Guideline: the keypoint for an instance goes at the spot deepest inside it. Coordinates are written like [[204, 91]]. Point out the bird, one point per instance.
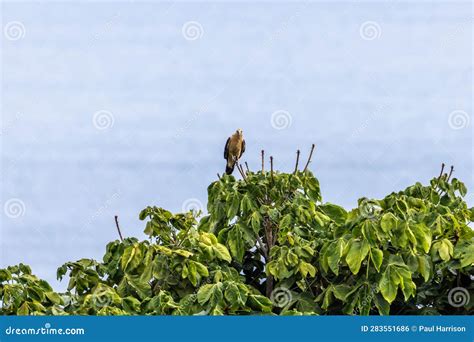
[[234, 148]]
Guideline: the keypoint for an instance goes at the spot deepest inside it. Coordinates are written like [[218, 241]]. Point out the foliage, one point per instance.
[[269, 245]]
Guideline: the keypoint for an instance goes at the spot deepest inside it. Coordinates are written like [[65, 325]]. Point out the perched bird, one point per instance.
[[234, 148]]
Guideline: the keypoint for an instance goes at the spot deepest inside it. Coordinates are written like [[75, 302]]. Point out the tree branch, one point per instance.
[[297, 161], [262, 248], [263, 161], [309, 158], [450, 173], [271, 167], [441, 173], [439, 191], [247, 167], [118, 227], [241, 170]]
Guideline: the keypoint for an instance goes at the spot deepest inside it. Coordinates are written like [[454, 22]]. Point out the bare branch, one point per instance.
[[118, 227], [263, 161], [218, 176], [439, 191], [247, 167], [297, 161], [241, 170], [309, 158], [271, 166], [450, 173], [441, 173], [269, 286]]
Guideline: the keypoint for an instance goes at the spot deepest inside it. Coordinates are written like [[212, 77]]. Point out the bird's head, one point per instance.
[[239, 132]]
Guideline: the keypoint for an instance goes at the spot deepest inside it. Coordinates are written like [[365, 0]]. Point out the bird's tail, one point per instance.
[[230, 167]]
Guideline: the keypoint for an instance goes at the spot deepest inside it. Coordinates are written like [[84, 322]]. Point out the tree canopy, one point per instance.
[[268, 244]]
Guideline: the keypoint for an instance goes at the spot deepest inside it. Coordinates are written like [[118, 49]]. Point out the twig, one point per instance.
[[450, 174], [238, 168], [247, 167], [271, 167], [309, 158], [118, 227], [441, 173], [297, 161], [269, 286], [263, 161], [241, 170], [439, 191], [218, 176]]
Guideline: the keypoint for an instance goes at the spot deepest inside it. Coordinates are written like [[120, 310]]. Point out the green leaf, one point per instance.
[[131, 305], [357, 252], [236, 295], [147, 272], [185, 272], [246, 204], [143, 289], [210, 293], [23, 310], [222, 252], [255, 221], [437, 226], [327, 297], [412, 263], [131, 258], [5, 275], [387, 286], [25, 268], [285, 222], [423, 236], [36, 293], [382, 305], [464, 251], [201, 269], [407, 285], [291, 258], [236, 243], [323, 260], [424, 266], [193, 275], [61, 271], [376, 257], [54, 297], [260, 303], [342, 291], [148, 229], [305, 268], [234, 206], [183, 253], [334, 254], [388, 222], [444, 248], [396, 274], [336, 213]]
